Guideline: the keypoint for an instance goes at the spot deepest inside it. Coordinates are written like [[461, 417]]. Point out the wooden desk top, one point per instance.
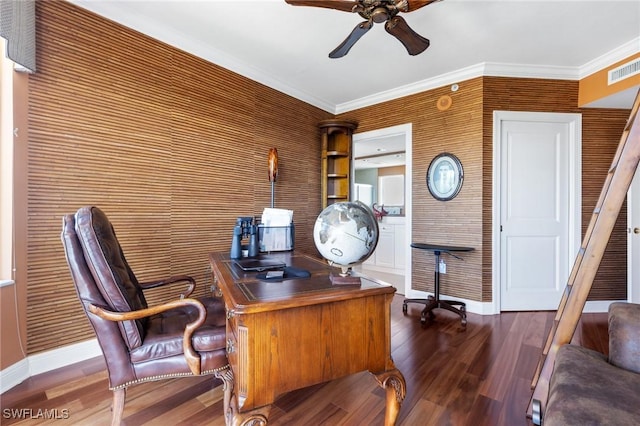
[[248, 294]]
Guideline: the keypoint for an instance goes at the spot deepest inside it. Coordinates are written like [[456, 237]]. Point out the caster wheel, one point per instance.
[[423, 321], [463, 322], [404, 308]]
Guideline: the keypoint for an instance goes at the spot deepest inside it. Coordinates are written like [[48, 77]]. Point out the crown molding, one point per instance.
[[619, 54], [495, 69], [483, 69], [211, 54]]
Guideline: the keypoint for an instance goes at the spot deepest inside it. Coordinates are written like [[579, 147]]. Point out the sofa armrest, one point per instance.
[[585, 389], [624, 335]]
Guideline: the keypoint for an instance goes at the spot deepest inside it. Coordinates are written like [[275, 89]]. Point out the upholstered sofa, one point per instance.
[[589, 388]]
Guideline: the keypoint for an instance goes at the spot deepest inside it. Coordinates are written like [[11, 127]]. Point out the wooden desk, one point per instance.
[[289, 334]]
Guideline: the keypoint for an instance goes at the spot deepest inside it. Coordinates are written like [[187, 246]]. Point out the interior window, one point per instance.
[[6, 167]]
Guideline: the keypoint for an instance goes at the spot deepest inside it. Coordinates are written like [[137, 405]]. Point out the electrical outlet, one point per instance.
[[442, 267]]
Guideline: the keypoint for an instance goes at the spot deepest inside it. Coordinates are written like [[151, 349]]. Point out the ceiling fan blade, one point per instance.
[[412, 41], [344, 5], [411, 5], [348, 43]]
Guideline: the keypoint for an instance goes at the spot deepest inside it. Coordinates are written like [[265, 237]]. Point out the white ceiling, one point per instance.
[[286, 47], [379, 152]]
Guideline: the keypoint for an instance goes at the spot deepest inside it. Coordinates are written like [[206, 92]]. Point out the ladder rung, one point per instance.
[[632, 118]]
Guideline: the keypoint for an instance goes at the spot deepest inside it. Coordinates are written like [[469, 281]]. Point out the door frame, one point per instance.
[[406, 130], [633, 199], [574, 121]]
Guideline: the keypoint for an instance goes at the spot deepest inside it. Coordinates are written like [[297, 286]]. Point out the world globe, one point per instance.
[[346, 234]]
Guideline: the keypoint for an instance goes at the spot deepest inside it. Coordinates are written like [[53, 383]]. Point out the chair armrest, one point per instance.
[[175, 279], [192, 357]]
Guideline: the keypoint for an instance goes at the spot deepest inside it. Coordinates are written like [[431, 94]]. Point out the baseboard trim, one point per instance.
[[46, 361], [598, 306], [14, 375], [473, 306], [487, 308]]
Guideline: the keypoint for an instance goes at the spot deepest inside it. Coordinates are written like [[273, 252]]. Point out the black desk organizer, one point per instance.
[[433, 302]]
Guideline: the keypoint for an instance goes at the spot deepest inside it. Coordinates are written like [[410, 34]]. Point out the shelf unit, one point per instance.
[[336, 160]]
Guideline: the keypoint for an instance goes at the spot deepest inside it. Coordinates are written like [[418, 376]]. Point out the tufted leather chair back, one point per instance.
[[110, 337], [111, 272]]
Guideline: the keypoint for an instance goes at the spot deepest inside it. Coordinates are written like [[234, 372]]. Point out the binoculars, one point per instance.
[[244, 227]]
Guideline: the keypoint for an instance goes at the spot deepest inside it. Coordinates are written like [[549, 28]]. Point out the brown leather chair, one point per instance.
[[184, 337]]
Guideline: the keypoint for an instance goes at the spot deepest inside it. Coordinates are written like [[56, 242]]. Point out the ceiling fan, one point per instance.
[[375, 11]]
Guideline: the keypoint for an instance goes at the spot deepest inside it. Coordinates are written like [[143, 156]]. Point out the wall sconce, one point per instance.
[[273, 170]]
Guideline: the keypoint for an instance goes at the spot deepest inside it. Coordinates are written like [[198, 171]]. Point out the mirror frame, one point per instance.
[[439, 189]]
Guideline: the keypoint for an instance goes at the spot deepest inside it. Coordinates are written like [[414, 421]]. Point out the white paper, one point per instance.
[[276, 232], [276, 217]]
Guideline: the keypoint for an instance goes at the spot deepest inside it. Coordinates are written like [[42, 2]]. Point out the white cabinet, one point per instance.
[[385, 252], [400, 246], [390, 254]]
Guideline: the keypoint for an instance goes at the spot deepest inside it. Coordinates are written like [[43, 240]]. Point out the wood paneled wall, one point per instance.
[[171, 147], [457, 222], [174, 148], [601, 131], [466, 130]]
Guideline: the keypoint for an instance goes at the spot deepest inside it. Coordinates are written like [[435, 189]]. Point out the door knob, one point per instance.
[[636, 230]]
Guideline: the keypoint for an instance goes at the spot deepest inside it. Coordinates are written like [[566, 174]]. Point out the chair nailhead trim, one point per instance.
[[167, 376]]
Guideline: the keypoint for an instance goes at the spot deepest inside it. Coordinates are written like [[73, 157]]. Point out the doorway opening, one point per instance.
[[381, 166]]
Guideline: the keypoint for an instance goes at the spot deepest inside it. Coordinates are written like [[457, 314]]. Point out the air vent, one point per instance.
[[624, 71]]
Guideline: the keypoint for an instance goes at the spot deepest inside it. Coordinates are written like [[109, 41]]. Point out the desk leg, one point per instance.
[[393, 382], [256, 417]]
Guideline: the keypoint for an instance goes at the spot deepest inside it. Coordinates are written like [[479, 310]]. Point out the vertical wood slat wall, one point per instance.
[[174, 148], [171, 147], [456, 222], [601, 131], [466, 129]]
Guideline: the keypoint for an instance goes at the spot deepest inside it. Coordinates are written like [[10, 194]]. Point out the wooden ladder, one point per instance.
[[605, 214]]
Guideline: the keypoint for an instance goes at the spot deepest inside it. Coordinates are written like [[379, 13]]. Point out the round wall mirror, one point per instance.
[[444, 176]]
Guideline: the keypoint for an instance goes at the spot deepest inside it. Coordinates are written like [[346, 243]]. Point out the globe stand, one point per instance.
[[345, 278]]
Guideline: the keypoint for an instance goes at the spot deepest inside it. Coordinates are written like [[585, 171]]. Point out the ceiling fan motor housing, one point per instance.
[[380, 11], [379, 15]]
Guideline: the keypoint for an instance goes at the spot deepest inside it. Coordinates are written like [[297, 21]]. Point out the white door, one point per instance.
[[633, 245], [537, 211]]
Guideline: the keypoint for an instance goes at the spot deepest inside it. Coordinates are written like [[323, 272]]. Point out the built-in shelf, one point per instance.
[[336, 160], [337, 153]]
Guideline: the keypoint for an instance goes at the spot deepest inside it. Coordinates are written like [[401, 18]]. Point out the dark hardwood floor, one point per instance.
[[480, 376]]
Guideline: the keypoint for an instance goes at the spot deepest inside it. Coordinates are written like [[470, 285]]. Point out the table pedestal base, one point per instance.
[[433, 303]]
